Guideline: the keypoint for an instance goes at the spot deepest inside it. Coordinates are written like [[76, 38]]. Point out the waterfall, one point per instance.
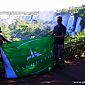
[[35, 17], [26, 17], [78, 27], [70, 24], [65, 18]]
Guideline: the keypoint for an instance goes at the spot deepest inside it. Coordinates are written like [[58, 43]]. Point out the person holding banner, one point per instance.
[[59, 33], [2, 39]]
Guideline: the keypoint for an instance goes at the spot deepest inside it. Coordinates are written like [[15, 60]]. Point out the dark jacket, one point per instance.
[[59, 31]]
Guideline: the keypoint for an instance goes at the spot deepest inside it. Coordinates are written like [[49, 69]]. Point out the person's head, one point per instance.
[[59, 19]]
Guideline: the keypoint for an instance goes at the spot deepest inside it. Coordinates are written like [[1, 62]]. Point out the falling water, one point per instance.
[[78, 27], [70, 24], [65, 18]]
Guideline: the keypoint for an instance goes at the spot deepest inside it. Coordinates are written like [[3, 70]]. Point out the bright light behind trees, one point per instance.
[[37, 5]]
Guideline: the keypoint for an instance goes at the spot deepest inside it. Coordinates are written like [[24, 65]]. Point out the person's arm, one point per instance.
[[53, 33], [61, 36], [4, 39]]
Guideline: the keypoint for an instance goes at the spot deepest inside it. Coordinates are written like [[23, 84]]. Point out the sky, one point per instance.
[[38, 5]]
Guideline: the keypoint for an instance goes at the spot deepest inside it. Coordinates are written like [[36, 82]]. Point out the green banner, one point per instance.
[[28, 57]]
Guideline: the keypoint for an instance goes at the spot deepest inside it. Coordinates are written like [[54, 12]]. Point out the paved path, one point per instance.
[[72, 74]]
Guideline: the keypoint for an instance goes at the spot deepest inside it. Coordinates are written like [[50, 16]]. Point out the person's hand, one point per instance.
[[55, 35], [9, 41]]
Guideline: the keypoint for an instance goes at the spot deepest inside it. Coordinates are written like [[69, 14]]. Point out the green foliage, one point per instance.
[[81, 13], [5, 30], [23, 29], [74, 45]]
